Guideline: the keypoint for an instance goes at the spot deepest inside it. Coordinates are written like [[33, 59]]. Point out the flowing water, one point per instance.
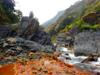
[[66, 53]]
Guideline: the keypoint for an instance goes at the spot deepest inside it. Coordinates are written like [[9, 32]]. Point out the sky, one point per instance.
[[43, 9]]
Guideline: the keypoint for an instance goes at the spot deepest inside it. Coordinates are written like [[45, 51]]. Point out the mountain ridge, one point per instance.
[[52, 20], [72, 15]]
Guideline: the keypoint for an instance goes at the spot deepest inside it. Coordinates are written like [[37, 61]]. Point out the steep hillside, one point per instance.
[[73, 17], [51, 21], [90, 19], [68, 17]]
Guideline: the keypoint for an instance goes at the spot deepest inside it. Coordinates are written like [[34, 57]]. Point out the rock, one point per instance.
[[61, 39], [93, 57], [27, 45], [30, 30], [28, 26], [11, 40], [66, 56], [4, 31], [41, 37], [85, 66], [94, 69], [87, 43], [64, 40], [10, 52], [92, 18]]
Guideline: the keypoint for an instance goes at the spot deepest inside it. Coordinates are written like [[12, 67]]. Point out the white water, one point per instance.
[[75, 60]]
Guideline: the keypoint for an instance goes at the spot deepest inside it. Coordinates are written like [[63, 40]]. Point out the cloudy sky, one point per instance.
[[43, 9]]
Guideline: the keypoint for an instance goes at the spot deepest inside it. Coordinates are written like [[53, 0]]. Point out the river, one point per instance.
[[68, 56]]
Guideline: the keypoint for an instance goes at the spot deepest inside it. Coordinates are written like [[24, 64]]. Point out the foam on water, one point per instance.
[[75, 59]]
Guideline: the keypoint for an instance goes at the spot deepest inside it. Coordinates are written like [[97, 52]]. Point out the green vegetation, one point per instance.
[[81, 24], [84, 15], [8, 15], [53, 39]]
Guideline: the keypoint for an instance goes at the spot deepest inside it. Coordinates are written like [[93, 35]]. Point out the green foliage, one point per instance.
[[7, 12], [94, 7], [53, 39], [78, 22], [65, 22]]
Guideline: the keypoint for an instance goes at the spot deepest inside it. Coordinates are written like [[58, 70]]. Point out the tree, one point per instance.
[[9, 5], [7, 12]]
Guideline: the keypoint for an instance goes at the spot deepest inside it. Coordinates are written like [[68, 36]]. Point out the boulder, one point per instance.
[[29, 29], [92, 18], [41, 37], [87, 67], [87, 43], [93, 57], [6, 31], [16, 46], [65, 40]]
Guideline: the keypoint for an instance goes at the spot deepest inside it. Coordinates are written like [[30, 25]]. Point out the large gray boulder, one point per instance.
[[29, 29], [87, 43]]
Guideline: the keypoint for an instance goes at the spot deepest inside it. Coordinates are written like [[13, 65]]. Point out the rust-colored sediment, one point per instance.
[[41, 67], [45, 66]]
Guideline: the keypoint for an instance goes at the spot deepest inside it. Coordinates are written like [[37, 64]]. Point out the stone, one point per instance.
[[29, 29], [4, 31], [41, 37], [87, 43], [28, 26], [87, 67], [64, 40], [92, 18], [93, 57], [10, 52], [33, 46]]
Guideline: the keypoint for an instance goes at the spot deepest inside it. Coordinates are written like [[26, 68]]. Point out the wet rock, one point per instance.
[[64, 57], [93, 57], [88, 67]]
